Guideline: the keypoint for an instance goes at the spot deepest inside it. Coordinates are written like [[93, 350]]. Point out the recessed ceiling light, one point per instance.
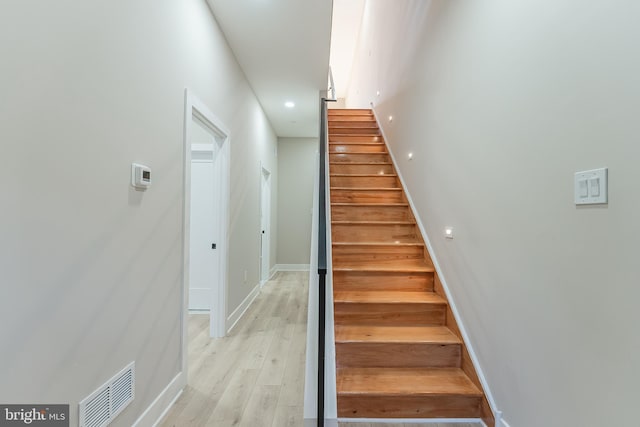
[[289, 104]]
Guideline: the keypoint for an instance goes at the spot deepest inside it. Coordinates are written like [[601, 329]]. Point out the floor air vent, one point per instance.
[[103, 405]]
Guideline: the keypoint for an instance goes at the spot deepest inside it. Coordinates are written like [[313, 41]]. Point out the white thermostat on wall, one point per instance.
[[140, 176]]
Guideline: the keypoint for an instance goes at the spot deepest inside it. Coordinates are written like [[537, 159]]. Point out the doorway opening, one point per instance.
[[206, 213], [265, 225]]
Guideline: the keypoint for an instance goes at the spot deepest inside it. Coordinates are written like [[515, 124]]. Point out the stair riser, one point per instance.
[[347, 139], [389, 314], [370, 124], [370, 213], [344, 255], [359, 158], [367, 406], [378, 181], [353, 118], [357, 148], [403, 233], [398, 355], [354, 131], [344, 168], [364, 196], [362, 280], [332, 112]]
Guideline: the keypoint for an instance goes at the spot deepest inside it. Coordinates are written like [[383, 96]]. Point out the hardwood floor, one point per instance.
[[255, 376]]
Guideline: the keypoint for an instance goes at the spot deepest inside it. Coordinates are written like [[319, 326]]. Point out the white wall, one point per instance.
[[296, 164], [500, 103], [90, 270]]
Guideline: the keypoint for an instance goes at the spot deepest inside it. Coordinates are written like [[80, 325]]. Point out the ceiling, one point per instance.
[[283, 49]]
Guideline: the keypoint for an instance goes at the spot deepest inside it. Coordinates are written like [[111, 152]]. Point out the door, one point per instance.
[[204, 262], [207, 199], [265, 225]]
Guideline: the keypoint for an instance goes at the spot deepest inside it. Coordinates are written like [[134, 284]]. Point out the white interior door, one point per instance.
[[202, 269], [265, 225], [204, 218]]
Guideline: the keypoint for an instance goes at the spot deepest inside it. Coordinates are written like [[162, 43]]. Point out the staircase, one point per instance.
[[399, 353]]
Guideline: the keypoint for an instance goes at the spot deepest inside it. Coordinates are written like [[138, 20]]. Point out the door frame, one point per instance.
[[196, 109], [264, 172]]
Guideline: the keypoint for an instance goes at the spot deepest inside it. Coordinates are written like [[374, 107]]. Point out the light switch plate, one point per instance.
[[596, 185]]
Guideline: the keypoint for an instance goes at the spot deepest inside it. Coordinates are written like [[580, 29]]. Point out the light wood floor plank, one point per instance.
[[255, 375]]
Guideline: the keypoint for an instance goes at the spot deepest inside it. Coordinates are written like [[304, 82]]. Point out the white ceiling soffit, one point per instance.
[[347, 20], [283, 48]]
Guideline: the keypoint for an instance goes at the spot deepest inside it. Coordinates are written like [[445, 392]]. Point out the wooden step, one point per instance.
[[397, 346], [375, 231], [366, 195], [393, 308], [368, 147], [347, 130], [352, 118], [370, 212], [378, 254], [346, 139], [362, 168], [348, 112], [364, 181], [406, 393], [369, 124], [359, 158], [376, 280]]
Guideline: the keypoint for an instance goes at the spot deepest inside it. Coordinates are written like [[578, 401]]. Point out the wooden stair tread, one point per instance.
[[378, 244], [373, 222], [369, 204], [367, 188], [370, 175], [405, 381], [395, 334], [386, 268], [387, 297], [361, 163], [414, 265], [381, 153], [351, 144]]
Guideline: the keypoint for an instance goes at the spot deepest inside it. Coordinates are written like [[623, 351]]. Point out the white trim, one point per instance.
[[242, 308], [265, 178], [445, 287], [194, 108], [313, 422], [160, 407], [272, 273], [291, 267], [502, 421]]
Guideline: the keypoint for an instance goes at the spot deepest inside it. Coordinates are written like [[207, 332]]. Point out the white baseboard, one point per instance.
[[292, 267], [159, 408], [242, 308], [313, 422]]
